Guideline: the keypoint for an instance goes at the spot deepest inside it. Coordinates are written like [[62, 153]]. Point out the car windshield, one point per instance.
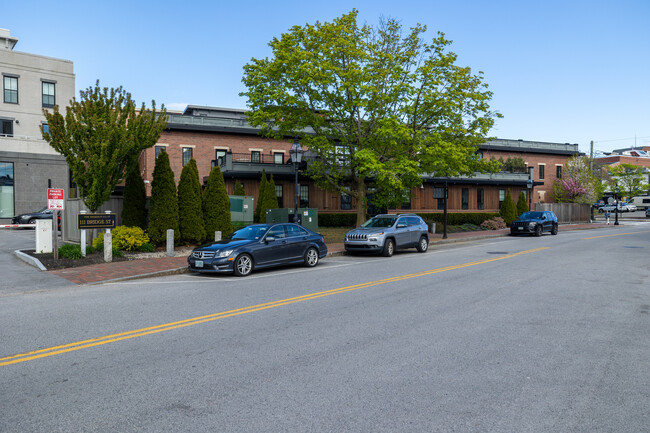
[[250, 232], [531, 215], [379, 222]]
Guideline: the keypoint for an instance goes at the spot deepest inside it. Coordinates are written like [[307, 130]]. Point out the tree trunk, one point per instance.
[[361, 202]]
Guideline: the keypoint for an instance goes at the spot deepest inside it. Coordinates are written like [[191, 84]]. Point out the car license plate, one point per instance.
[[520, 228], [198, 264]]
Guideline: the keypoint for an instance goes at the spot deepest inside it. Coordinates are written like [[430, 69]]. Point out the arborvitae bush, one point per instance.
[[134, 212], [270, 200], [164, 202], [216, 206], [190, 206], [239, 189], [257, 217], [508, 209], [522, 205]]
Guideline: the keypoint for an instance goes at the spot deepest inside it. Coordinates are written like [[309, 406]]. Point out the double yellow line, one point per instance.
[[113, 338]]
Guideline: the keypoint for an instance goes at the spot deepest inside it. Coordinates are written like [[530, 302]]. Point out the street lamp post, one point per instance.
[[616, 190], [529, 185], [296, 158]]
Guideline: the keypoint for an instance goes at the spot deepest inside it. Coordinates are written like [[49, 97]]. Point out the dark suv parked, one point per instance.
[[534, 222], [386, 233]]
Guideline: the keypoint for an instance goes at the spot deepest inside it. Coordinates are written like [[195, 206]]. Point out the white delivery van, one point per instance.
[[641, 201]]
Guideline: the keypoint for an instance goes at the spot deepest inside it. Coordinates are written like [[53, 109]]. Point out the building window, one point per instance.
[[304, 196], [159, 149], [346, 201], [11, 89], [7, 127], [6, 189], [255, 156], [441, 204], [480, 199], [48, 94], [279, 194], [464, 199], [502, 196], [187, 155], [558, 171], [45, 127], [278, 158], [406, 200], [541, 172]]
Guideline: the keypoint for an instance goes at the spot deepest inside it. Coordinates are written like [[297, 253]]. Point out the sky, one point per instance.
[[561, 71]]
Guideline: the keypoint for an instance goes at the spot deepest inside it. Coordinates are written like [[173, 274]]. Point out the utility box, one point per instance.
[[43, 236], [307, 217], [241, 208]]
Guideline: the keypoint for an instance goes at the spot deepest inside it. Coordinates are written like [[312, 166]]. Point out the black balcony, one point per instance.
[[252, 164]]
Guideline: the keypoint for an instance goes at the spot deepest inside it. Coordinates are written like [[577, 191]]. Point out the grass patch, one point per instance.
[[334, 235]]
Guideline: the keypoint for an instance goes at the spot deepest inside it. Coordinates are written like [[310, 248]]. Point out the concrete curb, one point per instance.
[[175, 271], [33, 261]]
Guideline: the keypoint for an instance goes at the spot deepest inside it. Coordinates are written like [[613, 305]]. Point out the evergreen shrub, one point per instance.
[[70, 251], [190, 212], [508, 209], [134, 213], [163, 213], [216, 206]]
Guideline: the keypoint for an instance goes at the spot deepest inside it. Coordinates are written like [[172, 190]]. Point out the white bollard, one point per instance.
[[83, 237], [217, 236], [108, 246], [170, 243]]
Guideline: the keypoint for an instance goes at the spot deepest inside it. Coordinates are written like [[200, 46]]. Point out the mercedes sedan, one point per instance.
[[259, 246]]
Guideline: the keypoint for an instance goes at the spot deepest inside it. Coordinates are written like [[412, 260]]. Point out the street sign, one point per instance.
[[96, 221], [55, 199]]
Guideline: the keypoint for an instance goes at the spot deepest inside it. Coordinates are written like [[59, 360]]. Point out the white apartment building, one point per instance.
[[28, 165]]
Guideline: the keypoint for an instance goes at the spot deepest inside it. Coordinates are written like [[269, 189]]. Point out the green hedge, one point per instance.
[[458, 218], [337, 219]]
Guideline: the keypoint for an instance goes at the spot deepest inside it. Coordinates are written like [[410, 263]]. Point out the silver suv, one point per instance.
[[386, 233]]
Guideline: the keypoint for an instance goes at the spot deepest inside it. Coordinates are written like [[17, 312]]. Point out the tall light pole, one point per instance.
[[616, 190], [296, 158], [529, 185]]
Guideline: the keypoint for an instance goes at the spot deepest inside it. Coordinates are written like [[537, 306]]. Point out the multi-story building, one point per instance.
[[28, 165], [222, 137]]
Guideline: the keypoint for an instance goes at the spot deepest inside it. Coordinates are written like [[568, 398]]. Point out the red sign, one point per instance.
[[55, 199]]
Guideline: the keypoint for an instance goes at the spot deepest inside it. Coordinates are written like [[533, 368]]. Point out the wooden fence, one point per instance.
[[567, 212]]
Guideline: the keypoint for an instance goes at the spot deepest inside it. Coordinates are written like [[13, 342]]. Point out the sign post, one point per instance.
[[55, 202]]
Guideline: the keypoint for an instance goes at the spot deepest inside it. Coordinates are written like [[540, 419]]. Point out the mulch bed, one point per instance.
[[96, 257]]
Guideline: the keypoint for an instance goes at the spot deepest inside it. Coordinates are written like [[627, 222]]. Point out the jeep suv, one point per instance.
[[386, 233], [534, 222]]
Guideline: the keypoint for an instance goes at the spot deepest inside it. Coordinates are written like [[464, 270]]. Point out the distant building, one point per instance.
[[222, 137], [28, 165]]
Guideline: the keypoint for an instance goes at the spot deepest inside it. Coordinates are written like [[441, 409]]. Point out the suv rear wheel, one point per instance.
[[423, 244], [554, 229]]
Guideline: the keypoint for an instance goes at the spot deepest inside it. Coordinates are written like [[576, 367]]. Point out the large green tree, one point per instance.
[[629, 178], [378, 107], [190, 205], [216, 206], [163, 204], [99, 135]]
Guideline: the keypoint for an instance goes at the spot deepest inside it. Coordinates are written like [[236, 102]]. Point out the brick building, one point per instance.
[[222, 137]]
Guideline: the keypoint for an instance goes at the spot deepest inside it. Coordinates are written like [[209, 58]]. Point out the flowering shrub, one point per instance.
[[128, 238], [495, 223]]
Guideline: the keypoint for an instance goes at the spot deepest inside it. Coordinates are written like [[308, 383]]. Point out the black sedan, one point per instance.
[[535, 222], [259, 246], [31, 217]]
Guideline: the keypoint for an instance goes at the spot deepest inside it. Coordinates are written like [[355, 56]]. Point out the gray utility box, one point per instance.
[[307, 217], [241, 208]]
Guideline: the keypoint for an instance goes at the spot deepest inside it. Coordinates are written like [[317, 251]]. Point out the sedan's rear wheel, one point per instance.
[[389, 248], [243, 265], [311, 257], [538, 230], [423, 244]]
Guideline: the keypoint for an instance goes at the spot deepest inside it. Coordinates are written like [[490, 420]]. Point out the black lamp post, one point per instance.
[[296, 158], [529, 185], [616, 190]]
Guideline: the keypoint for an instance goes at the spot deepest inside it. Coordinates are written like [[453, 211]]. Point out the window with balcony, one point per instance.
[[255, 156], [10, 89], [187, 155], [278, 158], [49, 99]]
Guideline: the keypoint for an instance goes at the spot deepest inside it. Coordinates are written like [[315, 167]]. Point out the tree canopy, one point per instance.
[[378, 107], [100, 135], [629, 178], [579, 184]]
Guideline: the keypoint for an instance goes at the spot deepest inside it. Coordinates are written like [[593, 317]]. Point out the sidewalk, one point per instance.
[[142, 268]]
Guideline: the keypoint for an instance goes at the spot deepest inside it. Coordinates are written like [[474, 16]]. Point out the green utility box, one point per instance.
[[307, 217], [241, 208]]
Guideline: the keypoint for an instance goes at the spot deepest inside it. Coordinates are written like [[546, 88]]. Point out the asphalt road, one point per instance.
[[518, 334]]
